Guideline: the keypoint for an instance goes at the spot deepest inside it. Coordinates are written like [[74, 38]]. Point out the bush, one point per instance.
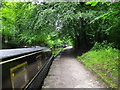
[[103, 45]]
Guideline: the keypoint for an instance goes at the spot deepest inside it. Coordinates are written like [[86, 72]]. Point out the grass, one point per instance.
[[56, 51], [105, 62]]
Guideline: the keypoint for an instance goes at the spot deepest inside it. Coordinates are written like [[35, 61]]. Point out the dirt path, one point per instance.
[[67, 72]]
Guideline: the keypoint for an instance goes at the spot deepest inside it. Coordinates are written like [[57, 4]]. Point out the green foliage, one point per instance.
[[104, 61], [92, 3], [13, 15], [57, 23], [53, 23], [56, 51], [108, 24], [101, 46]]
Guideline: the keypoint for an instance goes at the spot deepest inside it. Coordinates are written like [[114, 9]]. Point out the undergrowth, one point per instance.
[[104, 60], [56, 51]]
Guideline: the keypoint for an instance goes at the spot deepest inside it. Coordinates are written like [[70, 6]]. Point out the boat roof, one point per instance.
[[5, 53]]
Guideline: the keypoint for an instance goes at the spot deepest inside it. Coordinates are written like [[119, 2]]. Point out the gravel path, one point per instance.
[[67, 72]]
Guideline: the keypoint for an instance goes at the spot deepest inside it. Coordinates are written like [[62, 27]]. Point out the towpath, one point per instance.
[[67, 72]]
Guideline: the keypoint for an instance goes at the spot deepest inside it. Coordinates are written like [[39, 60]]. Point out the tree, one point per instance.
[[56, 22]]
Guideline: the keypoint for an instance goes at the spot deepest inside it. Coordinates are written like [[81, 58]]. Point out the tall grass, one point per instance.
[[104, 60]]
